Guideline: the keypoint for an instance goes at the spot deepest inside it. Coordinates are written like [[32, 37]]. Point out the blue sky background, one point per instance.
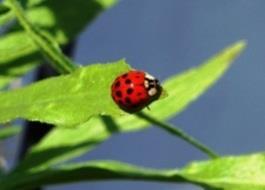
[[167, 37]]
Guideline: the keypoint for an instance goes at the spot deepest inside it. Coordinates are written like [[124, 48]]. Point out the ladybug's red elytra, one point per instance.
[[134, 90]]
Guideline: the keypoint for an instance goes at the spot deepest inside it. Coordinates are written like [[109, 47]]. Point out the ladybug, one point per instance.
[[134, 90]]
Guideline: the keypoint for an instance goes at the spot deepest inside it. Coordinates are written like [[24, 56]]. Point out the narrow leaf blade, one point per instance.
[[5, 14], [186, 87], [13, 62], [230, 173], [90, 171], [45, 42], [52, 16], [3, 9], [226, 173]]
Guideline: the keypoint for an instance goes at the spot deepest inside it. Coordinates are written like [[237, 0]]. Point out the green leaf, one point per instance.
[[227, 173], [54, 15], [65, 100], [18, 54], [13, 62], [43, 41], [5, 14], [184, 88], [91, 171], [230, 173], [3, 9], [9, 131]]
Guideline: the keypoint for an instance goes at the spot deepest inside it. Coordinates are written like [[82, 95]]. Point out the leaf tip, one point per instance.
[[107, 3], [233, 51], [124, 63], [240, 45]]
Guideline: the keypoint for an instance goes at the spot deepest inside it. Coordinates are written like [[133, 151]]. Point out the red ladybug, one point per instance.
[[134, 90]]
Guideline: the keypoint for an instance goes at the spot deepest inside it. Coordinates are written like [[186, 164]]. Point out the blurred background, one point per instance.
[[167, 37]]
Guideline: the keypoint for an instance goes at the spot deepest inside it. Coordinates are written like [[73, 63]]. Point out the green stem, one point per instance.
[[179, 133], [48, 46]]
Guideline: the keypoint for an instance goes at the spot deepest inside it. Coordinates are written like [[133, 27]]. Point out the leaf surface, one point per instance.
[[66, 100], [5, 14], [226, 173], [230, 173]]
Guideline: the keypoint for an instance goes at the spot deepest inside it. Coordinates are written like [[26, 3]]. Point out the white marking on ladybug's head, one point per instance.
[[148, 76], [152, 91], [146, 84]]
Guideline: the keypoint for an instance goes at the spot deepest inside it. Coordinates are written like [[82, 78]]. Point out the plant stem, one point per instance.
[[179, 133], [46, 44]]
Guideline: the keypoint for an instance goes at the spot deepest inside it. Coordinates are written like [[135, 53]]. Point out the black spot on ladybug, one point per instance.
[[139, 94], [124, 75], [119, 94], [117, 84], [135, 106], [128, 81], [128, 100], [137, 76], [129, 91]]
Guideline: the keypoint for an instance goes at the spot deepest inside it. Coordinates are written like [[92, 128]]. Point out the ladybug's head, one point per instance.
[[152, 86]]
